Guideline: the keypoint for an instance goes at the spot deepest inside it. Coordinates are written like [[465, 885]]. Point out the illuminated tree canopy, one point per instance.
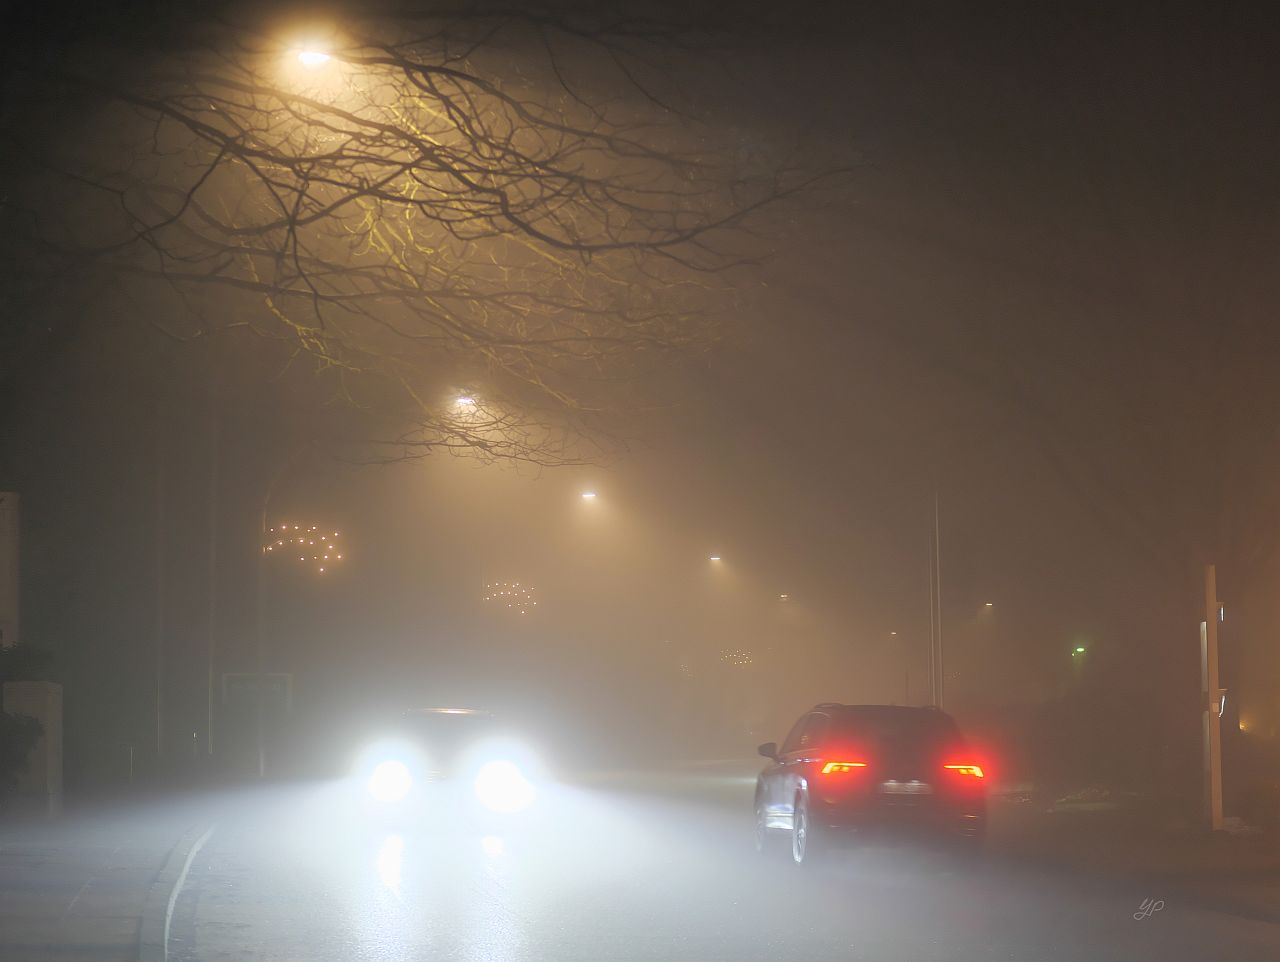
[[416, 208]]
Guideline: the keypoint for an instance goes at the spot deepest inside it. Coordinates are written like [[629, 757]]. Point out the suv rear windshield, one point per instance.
[[893, 727]]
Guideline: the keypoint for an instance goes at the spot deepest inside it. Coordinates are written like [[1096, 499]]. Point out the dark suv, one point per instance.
[[852, 771]]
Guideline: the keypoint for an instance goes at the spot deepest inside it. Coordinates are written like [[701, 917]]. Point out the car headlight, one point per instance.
[[502, 787], [390, 781]]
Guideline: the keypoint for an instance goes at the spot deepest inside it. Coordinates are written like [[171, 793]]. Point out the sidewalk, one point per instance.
[[74, 887], [1238, 876]]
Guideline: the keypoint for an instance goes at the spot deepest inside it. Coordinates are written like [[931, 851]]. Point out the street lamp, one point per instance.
[[714, 557], [313, 58], [588, 495]]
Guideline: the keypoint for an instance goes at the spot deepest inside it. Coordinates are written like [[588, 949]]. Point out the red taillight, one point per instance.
[[972, 771], [835, 768]]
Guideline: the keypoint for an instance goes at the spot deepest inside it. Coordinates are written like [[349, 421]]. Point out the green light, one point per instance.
[[1079, 651]]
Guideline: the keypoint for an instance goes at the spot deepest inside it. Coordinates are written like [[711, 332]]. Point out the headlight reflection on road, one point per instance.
[[391, 863], [390, 781], [501, 787]]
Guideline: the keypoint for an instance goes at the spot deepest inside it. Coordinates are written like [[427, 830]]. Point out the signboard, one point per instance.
[[8, 569], [239, 691]]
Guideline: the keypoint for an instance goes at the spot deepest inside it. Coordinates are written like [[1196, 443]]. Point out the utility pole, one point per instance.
[[1213, 695]]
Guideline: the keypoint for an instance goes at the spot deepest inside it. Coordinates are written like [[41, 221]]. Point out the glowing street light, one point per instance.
[[466, 408], [588, 495], [989, 604], [1079, 650], [313, 58], [715, 557]]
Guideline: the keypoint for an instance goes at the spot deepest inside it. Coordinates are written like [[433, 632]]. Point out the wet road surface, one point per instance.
[[643, 869]]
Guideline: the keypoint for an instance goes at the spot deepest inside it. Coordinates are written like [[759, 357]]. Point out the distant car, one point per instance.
[[442, 763], [851, 772]]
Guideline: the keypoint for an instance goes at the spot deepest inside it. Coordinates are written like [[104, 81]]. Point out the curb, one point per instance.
[[157, 913]]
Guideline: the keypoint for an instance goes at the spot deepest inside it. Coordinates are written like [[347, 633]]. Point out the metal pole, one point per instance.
[[1213, 746], [937, 560]]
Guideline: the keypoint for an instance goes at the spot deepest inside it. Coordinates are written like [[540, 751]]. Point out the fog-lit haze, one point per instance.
[[550, 482], [1007, 282]]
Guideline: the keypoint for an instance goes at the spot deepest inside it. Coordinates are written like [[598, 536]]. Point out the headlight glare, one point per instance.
[[390, 781], [502, 787]]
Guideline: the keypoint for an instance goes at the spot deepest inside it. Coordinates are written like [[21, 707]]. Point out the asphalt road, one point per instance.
[[633, 868]]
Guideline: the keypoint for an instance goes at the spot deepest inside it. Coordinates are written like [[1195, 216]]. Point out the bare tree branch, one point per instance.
[[428, 206]]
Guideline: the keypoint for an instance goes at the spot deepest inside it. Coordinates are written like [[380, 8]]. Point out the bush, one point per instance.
[[18, 733]]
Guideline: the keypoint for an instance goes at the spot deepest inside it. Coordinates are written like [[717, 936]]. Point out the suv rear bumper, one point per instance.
[[872, 817]]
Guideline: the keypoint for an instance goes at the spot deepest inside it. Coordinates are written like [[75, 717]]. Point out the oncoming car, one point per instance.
[[849, 772], [447, 763]]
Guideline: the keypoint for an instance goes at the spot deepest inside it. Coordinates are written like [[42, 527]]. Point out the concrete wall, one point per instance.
[[40, 786]]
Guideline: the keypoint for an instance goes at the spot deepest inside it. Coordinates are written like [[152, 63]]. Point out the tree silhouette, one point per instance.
[[497, 207]]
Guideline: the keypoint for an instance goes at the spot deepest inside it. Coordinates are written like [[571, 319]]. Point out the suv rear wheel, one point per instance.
[[806, 841]]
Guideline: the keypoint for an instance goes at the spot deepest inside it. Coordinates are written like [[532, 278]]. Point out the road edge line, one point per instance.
[[157, 911]]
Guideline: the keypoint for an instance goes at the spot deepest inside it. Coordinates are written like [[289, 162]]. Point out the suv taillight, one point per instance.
[[837, 768], [969, 771]]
